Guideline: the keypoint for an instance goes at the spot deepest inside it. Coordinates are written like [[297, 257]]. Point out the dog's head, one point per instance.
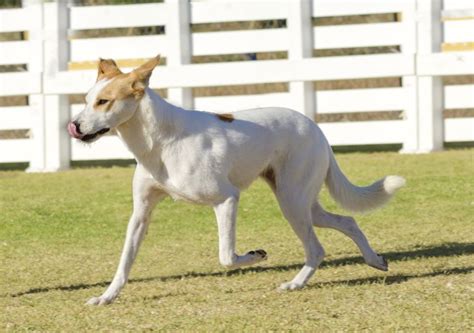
[[112, 100]]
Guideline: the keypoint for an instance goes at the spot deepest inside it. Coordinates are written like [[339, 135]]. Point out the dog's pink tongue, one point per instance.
[[71, 128]]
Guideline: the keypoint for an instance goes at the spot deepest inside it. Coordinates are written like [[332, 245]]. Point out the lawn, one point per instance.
[[61, 235]]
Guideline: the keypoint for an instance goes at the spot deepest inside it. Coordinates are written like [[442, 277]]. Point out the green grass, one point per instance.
[[61, 235]]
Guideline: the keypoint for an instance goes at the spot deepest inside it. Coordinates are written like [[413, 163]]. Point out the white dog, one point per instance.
[[209, 158]]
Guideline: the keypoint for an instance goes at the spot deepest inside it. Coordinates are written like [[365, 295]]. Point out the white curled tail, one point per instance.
[[360, 199]]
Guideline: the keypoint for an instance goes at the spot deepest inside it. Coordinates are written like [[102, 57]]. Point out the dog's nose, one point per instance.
[[78, 127], [74, 130]]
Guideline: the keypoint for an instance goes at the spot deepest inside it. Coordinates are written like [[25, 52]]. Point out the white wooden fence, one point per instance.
[[424, 27]]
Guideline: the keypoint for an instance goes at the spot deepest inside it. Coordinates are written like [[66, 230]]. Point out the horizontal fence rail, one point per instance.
[[246, 72], [219, 54]]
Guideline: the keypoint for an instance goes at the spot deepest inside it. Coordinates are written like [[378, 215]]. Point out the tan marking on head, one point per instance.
[[269, 175], [123, 86], [107, 69], [227, 117]]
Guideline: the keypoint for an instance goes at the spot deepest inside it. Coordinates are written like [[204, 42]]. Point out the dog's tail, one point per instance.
[[359, 199]]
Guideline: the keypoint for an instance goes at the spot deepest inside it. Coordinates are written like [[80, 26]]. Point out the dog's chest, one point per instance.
[[191, 194], [194, 187]]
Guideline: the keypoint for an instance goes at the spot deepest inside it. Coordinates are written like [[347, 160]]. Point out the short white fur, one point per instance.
[[198, 157]]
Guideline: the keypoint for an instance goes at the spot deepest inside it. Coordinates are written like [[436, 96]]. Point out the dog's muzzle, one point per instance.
[[74, 130]]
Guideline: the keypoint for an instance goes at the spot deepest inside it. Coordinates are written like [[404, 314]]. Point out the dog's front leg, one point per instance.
[[226, 214], [145, 198]]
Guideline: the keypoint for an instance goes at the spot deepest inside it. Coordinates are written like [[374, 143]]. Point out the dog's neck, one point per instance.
[[155, 123]]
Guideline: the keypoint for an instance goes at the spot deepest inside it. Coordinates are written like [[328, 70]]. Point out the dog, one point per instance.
[[208, 158]]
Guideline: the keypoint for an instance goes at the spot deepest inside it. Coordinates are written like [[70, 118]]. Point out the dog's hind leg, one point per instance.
[[296, 209], [226, 215], [145, 197], [348, 226]]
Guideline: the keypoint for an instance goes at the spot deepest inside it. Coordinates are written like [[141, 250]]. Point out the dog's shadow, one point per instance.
[[443, 250]]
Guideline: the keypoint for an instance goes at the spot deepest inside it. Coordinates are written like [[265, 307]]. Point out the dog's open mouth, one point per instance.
[[90, 137], [75, 132]]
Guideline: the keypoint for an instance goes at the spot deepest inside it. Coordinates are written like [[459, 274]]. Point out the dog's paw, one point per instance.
[[259, 254], [99, 301], [290, 286], [379, 262]]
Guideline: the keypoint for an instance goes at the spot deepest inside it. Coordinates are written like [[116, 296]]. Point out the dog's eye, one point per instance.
[[102, 101]]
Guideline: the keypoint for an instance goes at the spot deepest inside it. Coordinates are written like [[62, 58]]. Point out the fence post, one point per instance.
[[410, 82], [430, 89], [56, 55], [36, 101], [178, 35], [300, 32]]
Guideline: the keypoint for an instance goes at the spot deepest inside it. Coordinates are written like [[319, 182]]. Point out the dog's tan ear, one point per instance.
[[142, 75], [144, 71], [107, 68]]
